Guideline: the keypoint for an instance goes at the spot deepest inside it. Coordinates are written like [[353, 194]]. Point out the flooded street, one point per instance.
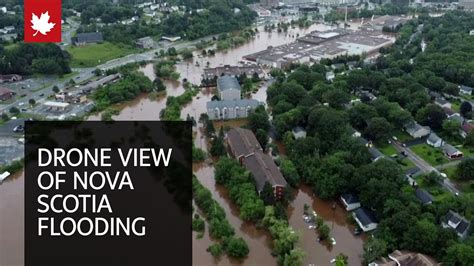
[[259, 240], [321, 253], [12, 221]]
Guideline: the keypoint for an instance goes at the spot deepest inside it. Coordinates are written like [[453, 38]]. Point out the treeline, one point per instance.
[[261, 209], [219, 226], [103, 9], [28, 59], [386, 9], [334, 162], [128, 88]]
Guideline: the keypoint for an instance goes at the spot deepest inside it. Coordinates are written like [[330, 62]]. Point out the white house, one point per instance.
[[350, 201], [434, 140], [443, 102], [466, 90], [365, 219], [299, 132], [416, 130], [458, 223], [228, 88], [451, 152]]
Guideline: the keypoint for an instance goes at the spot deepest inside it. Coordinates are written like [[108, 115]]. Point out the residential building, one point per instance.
[[228, 88], [434, 141], [145, 43], [171, 39], [243, 146], [350, 201], [330, 75], [87, 38], [365, 218], [459, 224], [375, 154], [269, 3], [458, 118], [423, 196], [450, 112], [6, 94], [405, 258], [416, 130], [451, 152], [466, 128], [466, 90], [299, 132], [443, 102], [211, 74], [10, 78], [231, 109], [467, 4]]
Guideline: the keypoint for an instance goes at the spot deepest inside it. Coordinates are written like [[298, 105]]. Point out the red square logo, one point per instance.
[[42, 20]]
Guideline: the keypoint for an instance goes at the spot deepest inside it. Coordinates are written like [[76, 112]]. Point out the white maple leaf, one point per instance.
[[41, 24]]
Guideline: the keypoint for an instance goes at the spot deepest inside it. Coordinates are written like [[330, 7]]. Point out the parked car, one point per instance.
[[18, 129]]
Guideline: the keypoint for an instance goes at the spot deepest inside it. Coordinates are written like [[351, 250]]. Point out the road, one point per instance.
[[426, 168], [84, 74]]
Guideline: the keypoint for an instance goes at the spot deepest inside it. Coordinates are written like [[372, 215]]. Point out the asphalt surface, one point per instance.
[[427, 168]]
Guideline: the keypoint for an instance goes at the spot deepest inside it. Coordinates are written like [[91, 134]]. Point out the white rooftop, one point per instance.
[[56, 104]]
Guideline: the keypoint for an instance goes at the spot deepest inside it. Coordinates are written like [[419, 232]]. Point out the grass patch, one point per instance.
[[438, 192], [402, 136], [387, 149], [466, 186], [96, 54], [431, 155]]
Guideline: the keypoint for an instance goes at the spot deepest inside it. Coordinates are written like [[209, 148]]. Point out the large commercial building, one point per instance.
[[269, 3], [230, 105], [327, 44]]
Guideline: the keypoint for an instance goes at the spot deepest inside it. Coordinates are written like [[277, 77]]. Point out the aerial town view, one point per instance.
[[326, 132]]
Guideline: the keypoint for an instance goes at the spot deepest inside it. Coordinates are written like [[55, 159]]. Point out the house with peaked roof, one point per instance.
[[466, 128], [365, 218], [299, 132], [451, 152], [6, 94], [434, 141], [466, 90], [416, 130], [375, 154], [458, 118], [244, 147], [405, 258], [87, 38], [442, 102], [350, 201], [424, 196], [231, 109], [456, 222]]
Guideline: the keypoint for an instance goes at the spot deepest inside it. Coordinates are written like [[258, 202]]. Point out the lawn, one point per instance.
[[433, 156], [435, 190], [402, 136], [96, 54], [387, 149], [464, 186]]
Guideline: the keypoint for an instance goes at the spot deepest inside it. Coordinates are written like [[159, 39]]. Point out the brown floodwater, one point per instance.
[[12, 221], [143, 108]]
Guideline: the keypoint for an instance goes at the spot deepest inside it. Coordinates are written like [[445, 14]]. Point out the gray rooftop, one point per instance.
[[89, 37], [449, 149], [423, 196], [365, 216], [433, 138], [461, 222], [227, 82], [243, 103]]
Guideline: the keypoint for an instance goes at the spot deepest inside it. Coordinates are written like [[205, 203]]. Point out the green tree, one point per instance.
[[14, 110], [324, 232], [374, 249], [459, 254], [336, 98], [236, 247], [32, 101], [216, 250], [290, 173], [55, 89], [379, 129], [262, 137], [295, 257], [465, 170], [451, 127], [259, 119], [341, 260], [422, 237]]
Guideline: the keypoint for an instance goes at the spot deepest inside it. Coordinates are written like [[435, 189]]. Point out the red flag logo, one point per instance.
[[42, 21]]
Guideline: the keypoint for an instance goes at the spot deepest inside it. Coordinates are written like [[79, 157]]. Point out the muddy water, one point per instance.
[[259, 241], [12, 221], [321, 253]]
